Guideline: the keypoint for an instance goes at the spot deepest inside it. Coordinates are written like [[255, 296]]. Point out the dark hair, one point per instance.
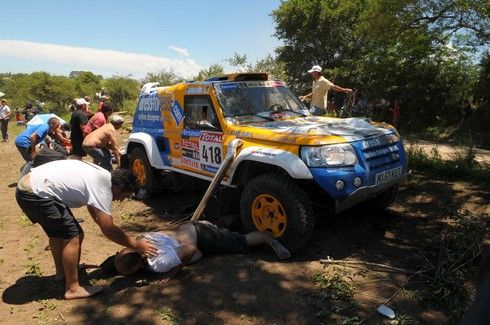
[[106, 107], [124, 179], [127, 261]]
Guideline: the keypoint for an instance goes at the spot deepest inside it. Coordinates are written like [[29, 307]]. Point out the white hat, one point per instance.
[[315, 68], [117, 119], [81, 101]]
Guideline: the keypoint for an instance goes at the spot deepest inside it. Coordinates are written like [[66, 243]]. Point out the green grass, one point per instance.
[[166, 313], [461, 166], [33, 267], [24, 221]]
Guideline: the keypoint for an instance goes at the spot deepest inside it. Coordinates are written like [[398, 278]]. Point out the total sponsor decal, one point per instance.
[[189, 144], [216, 137]]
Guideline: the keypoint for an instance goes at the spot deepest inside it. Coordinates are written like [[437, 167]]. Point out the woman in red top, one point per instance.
[[99, 119]]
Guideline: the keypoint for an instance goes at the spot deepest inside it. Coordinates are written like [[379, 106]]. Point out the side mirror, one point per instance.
[[206, 124]]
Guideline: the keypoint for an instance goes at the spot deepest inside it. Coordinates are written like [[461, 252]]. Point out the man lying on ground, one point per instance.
[[188, 242]]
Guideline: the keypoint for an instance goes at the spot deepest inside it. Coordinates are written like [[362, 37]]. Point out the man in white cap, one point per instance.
[[78, 120], [319, 93]]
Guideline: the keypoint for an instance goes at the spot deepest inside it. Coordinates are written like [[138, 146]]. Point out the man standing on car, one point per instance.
[[47, 194], [319, 93]]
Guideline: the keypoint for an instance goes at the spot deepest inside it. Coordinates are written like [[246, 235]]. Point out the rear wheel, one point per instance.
[[140, 165], [275, 204]]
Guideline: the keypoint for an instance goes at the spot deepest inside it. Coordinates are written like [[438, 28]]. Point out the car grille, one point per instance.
[[381, 151]]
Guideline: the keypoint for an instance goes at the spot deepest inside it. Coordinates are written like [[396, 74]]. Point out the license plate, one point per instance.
[[388, 175]]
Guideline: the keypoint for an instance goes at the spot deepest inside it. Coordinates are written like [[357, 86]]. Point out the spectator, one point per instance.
[[30, 111], [466, 111], [58, 140], [4, 119], [319, 93], [26, 141], [99, 119], [101, 142], [46, 196], [19, 119], [396, 113], [78, 121]]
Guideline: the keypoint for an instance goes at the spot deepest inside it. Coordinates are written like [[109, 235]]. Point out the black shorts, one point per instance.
[[55, 217], [213, 240]]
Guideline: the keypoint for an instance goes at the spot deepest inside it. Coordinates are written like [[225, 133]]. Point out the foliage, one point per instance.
[[213, 71], [452, 256], [121, 89], [166, 313], [461, 166], [163, 77], [417, 51]]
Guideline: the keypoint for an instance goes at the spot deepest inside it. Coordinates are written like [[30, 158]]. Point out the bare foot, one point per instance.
[[281, 251], [82, 292]]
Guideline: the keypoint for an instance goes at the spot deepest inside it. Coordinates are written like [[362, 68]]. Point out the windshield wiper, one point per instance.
[[255, 114]]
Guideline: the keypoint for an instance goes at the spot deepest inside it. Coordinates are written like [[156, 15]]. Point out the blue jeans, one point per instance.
[[102, 157]]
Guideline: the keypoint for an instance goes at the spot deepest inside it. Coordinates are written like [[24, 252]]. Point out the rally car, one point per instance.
[[291, 166]]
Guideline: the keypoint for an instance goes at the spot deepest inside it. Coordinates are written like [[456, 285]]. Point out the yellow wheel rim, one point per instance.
[[139, 171], [269, 215]]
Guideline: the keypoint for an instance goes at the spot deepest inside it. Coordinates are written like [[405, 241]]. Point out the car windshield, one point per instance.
[[265, 99]]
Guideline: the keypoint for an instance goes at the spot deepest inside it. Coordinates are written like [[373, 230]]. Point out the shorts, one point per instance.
[[214, 240], [317, 111], [55, 217]]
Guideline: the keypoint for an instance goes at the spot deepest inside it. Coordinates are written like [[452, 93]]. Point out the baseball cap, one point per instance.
[[81, 101], [315, 68], [117, 119]]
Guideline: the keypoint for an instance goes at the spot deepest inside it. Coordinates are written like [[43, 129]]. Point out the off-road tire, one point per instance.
[[293, 199], [144, 172]]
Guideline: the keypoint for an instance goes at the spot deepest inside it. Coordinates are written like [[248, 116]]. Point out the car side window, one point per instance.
[[199, 113]]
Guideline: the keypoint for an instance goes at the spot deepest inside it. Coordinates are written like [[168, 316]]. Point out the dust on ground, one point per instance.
[[255, 289]]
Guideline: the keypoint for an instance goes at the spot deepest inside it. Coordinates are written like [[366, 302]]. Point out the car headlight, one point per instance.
[[329, 155]]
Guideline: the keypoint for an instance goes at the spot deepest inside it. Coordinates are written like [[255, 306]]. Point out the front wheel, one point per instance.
[[140, 165], [275, 204]]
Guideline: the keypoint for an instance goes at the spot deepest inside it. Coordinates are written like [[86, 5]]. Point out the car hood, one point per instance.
[[312, 130]]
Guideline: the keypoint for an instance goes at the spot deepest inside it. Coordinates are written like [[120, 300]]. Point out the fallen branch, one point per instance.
[[384, 266]]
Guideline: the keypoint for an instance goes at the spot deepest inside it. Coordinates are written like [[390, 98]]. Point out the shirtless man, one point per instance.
[[188, 242], [102, 141]]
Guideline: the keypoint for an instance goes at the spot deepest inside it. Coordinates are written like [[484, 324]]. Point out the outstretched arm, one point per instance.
[[111, 231], [341, 89]]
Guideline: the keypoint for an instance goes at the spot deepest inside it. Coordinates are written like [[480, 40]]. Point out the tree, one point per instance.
[[163, 77], [413, 50], [121, 89], [214, 70], [86, 83]]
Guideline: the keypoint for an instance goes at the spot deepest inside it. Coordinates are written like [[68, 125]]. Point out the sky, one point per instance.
[[131, 38]]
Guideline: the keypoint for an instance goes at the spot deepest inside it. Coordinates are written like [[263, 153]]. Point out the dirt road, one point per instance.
[[252, 289]]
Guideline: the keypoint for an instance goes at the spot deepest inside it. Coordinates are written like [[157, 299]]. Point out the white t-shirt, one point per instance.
[[166, 258], [4, 111], [74, 182]]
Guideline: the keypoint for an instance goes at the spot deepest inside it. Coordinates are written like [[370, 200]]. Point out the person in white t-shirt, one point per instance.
[[4, 120], [319, 93], [46, 195], [188, 242]]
